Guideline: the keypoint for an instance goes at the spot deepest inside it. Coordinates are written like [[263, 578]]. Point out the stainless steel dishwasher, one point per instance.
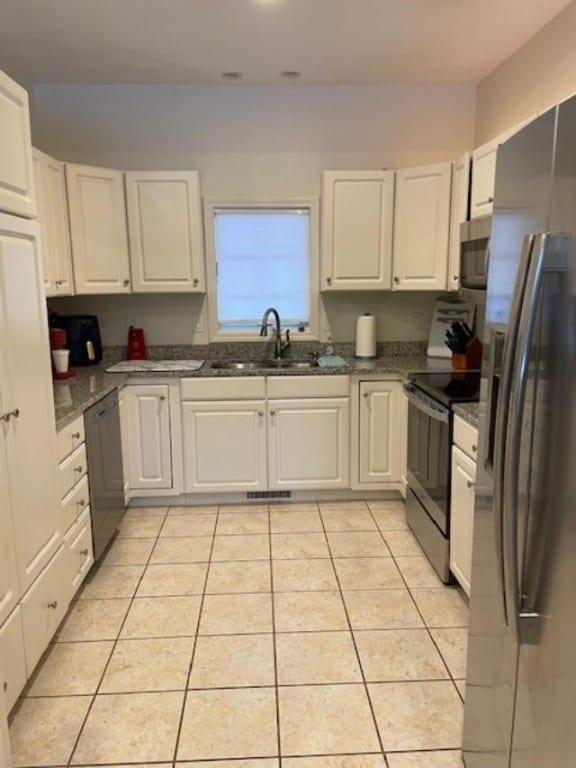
[[105, 473]]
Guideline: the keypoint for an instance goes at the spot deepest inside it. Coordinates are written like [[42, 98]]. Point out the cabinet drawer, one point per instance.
[[44, 606], [75, 502], [233, 388], [78, 544], [308, 386], [466, 437], [12, 659], [72, 470], [70, 438]]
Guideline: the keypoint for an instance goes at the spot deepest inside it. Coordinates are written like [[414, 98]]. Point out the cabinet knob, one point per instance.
[[80, 503], [58, 282], [469, 484], [9, 414], [272, 413], [5, 686], [195, 281], [474, 448], [396, 280], [455, 278], [162, 398], [76, 436], [53, 605], [260, 413], [366, 395], [329, 280], [126, 283], [84, 552], [79, 469]]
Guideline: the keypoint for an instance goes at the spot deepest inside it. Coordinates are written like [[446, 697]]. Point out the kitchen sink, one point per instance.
[[237, 365], [295, 364], [234, 365]]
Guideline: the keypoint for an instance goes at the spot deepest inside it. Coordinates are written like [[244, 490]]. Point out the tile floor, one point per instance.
[[301, 636]]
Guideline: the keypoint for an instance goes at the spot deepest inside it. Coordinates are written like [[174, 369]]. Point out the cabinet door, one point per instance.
[[380, 432], [421, 225], [462, 517], [165, 228], [357, 217], [224, 446], [483, 179], [12, 659], [54, 225], [148, 422], [27, 399], [9, 591], [458, 214], [16, 174], [125, 442], [309, 445], [98, 229], [79, 551]]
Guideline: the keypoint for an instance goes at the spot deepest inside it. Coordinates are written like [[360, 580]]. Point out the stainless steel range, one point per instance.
[[431, 397]]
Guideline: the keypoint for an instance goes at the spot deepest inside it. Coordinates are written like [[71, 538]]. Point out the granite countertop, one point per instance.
[[469, 412], [74, 396]]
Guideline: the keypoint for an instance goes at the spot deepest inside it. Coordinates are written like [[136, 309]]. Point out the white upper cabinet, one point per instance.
[[16, 174], [98, 229], [53, 220], [166, 234], [483, 179], [357, 224], [458, 215], [421, 225]]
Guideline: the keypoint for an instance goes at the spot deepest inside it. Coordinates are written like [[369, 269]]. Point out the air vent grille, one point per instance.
[[269, 494]]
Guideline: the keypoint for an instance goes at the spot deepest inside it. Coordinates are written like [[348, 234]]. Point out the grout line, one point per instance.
[[274, 649]]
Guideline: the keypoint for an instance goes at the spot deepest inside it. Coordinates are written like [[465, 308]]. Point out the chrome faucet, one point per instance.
[[279, 347]]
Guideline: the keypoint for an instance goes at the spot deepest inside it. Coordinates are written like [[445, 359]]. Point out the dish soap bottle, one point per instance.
[[329, 348]]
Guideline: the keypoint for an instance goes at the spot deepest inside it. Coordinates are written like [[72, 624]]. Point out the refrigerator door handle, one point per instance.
[[503, 412]]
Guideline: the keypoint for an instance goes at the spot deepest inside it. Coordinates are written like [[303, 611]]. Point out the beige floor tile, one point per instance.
[[242, 522], [129, 552], [93, 620], [368, 573], [188, 525], [444, 607], [239, 576], [402, 543], [109, 581], [118, 729], [245, 547], [309, 611], [378, 505], [138, 513], [148, 665], [348, 520], [445, 759], [317, 657], [146, 527], [44, 731], [243, 508], [135, 765], [399, 654], [162, 617], [287, 546], [335, 761], [326, 719], [357, 544], [418, 572], [225, 724], [303, 575], [453, 645], [71, 669], [299, 506], [256, 763], [382, 609], [165, 580], [233, 661], [192, 510], [391, 519], [236, 614], [326, 506], [423, 715], [295, 522], [461, 685], [194, 549]]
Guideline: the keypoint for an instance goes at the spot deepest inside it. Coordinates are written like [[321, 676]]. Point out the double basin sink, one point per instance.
[[272, 365]]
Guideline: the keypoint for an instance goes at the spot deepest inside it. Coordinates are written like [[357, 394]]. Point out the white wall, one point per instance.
[[257, 142], [537, 76]]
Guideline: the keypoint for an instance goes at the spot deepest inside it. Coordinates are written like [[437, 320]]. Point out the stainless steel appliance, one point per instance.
[[474, 253], [430, 400], [105, 474], [521, 676]]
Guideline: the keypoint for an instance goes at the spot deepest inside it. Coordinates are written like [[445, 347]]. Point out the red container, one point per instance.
[[136, 349]]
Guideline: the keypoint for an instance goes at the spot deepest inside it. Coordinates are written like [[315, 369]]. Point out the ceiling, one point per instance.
[[328, 41]]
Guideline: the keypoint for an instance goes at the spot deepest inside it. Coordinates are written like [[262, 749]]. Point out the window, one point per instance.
[[264, 256]]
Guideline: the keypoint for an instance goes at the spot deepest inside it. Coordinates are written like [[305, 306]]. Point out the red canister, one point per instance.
[[136, 349]]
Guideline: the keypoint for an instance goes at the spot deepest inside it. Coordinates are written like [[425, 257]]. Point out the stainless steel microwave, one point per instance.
[[475, 253]]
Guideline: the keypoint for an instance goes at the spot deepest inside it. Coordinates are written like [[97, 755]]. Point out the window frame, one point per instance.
[[215, 334]]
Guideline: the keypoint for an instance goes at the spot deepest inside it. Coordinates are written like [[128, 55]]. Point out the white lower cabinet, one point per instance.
[[462, 517], [44, 606], [224, 445], [12, 658], [79, 551], [309, 443], [380, 413]]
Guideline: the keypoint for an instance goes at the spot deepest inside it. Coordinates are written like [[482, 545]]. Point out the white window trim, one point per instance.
[[312, 333]]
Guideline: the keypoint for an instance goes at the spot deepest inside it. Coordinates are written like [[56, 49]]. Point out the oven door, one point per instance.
[[429, 454]]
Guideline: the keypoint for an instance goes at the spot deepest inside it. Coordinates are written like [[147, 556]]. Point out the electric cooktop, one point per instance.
[[450, 387]]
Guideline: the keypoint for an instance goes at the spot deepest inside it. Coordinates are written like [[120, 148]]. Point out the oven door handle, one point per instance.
[[436, 412]]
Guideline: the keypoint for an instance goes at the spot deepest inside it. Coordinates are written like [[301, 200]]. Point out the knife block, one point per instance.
[[469, 360]]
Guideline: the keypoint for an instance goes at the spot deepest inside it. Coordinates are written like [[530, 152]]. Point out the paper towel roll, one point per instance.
[[366, 337]]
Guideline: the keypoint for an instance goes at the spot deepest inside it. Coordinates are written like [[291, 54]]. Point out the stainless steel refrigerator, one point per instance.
[[520, 709]]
